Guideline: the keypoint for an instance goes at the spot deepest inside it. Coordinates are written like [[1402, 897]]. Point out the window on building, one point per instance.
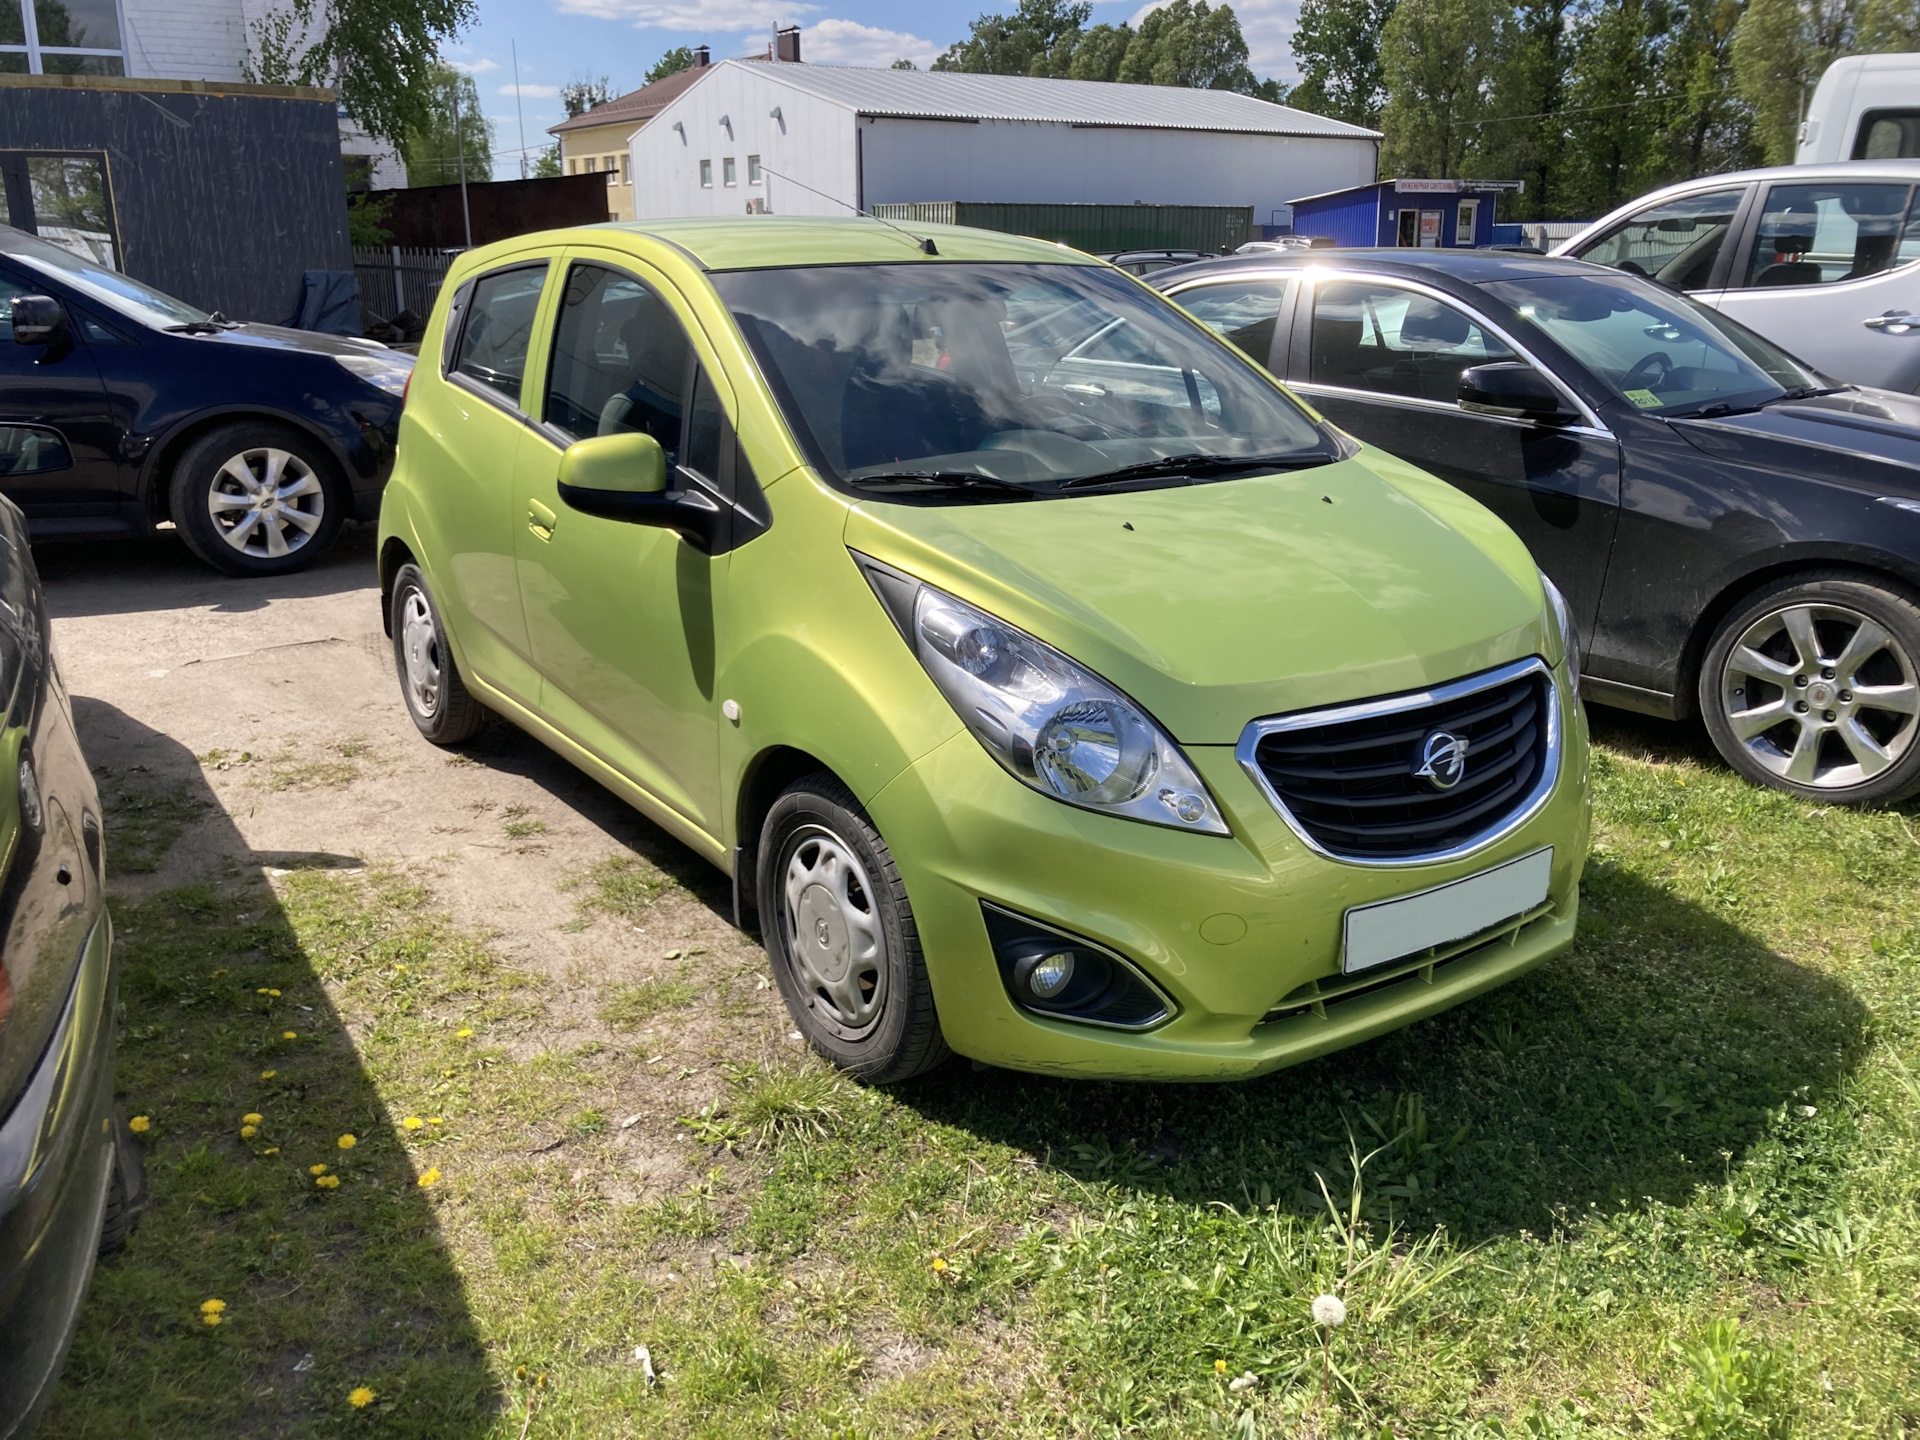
[[611, 165], [726, 172], [625, 178], [61, 37], [753, 169], [1468, 221], [706, 174]]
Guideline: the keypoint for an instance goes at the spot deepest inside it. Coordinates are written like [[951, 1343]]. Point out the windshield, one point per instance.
[[109, 287], [1664, 353], [1040, 378]]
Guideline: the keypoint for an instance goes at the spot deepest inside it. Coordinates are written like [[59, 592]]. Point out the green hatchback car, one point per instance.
[[1056, 688]]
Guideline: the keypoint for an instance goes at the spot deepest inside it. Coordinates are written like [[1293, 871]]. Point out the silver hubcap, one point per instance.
[[1821, 695], [420, 653], [266, 503], [835, 942]]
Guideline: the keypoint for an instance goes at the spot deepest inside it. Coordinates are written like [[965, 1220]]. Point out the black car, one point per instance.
[[122, 409], [1736, 533], [69, 1172], [1147, 262]]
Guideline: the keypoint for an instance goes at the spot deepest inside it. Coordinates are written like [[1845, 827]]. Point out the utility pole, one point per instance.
[[519, 107], [460, 149]]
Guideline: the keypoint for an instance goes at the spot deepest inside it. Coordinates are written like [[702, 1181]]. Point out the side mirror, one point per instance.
[[630, 464], [38, 320], [1512, 390]]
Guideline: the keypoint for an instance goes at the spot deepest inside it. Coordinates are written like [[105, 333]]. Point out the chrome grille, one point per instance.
[[1348, 779]]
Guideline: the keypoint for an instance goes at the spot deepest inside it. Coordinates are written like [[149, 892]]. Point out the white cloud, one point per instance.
[[531, 92], [475, 67], [703, 15], [847, 42]]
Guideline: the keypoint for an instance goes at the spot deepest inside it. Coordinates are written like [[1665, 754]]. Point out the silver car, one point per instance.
[[1824, 260]]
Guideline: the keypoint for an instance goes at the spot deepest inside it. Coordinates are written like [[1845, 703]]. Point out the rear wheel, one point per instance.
[[437, 698], [841, 936], [256, 499], [126, 1190], [1813, 687]]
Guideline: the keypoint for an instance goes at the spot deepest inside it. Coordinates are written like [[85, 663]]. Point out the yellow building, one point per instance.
[[596, 142]]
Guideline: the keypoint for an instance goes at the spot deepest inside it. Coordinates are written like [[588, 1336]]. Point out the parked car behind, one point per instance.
[[1055, 688], [1735, 533], [1823, 260], [69, 1174], [1866, 107], [1145, 262], [122, 408]]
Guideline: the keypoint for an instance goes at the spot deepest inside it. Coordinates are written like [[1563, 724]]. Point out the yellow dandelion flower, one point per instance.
[[274, 993], [268, 1074], [401, 969], [939, 1265], [463, 1034], [346, 1142], [271, 1150], [435, 1120], [209, 1319], [250, 1118], [289, 1035], [328, 1182], [412, 1122], [212, 1307], [247, 1132], [221, 971], [360, 1398], [261, 991], [428, 1177], [139, 1124], [1219, 1367], [316, 1169]]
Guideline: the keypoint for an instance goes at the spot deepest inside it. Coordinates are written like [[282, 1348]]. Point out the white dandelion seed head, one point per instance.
[[1329, 1310]]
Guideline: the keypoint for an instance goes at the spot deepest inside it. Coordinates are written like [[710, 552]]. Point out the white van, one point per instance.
[[1866, 107]]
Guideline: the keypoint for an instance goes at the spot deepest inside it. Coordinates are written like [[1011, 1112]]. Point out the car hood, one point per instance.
[[312, 342], [1216, 604], [1859, 435]]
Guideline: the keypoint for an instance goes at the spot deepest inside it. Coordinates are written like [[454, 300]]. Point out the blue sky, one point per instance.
[[559, 40]]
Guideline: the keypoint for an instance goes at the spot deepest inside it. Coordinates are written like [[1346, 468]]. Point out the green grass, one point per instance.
[[1667, 1185], [623, 886], [627, 1007]]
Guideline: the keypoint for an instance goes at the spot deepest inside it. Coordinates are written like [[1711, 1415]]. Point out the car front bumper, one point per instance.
[[1232, 929]]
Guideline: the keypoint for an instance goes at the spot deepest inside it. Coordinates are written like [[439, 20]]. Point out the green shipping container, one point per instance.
[[1097, 229]]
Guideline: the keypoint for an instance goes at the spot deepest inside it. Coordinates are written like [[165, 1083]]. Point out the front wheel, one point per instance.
[[256, 499], [841, 936], [1813, 687]]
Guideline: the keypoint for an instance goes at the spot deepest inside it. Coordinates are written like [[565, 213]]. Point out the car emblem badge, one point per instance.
[[822, 933], [1443, 760]]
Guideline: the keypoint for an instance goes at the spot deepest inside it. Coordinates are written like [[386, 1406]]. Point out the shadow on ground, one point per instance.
[[325, 1289], [158, 572], [1637, 1066]]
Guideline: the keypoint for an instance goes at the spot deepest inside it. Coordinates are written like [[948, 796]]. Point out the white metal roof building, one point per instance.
[[814, 139]]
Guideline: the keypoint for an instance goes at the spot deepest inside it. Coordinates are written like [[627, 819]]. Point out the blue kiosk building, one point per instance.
[[1410, 213]]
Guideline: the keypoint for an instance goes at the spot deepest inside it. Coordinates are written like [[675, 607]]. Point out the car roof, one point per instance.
[[1470, 267], [752, 242], [1864, 170]]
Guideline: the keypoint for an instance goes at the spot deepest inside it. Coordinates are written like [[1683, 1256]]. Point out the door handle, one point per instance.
[[1893, 323], [540, 519]]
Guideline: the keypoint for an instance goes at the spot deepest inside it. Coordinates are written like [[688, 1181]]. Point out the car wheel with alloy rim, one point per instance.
[[1813, 686], [256, 499], [840, 934]]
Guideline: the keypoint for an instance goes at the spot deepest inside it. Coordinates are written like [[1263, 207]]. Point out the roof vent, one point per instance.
[[786, 44]]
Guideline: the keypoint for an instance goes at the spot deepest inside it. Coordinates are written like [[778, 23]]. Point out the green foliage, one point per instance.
[[1337, 47], [583, 92], [679, 58], [440, 149], [381, 57], [547, 163], [1729, 1389], [1782, 46], [1187, 43], [367, 221], [1435, 57]]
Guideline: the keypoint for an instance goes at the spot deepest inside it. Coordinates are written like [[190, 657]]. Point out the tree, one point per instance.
[[672, 63], [583, 92], [1337, 47], [903, 64], [1037, 39], [1100, 53], [379, 56], [437, 151], [1616, 98], [1184, 42], [1781, 47], [548, 163], [1190, 43], [1434, 58]]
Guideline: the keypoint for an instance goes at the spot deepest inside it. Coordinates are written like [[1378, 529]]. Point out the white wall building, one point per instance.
[[164, 40], [814, 139]]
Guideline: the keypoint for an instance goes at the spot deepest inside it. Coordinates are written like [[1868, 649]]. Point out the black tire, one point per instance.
[[126, 1191], [212, 467], [1816, 749], [815, 821], [442, 709]]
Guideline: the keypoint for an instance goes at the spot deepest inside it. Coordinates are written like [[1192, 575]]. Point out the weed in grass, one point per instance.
[[144, 819], [628, 1007], [326, 767], [623, 886]]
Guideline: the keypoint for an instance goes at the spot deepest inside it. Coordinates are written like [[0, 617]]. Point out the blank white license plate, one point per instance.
[[1394, 929]]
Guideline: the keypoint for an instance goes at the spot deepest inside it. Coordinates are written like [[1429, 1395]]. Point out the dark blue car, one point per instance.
[[122, 409]]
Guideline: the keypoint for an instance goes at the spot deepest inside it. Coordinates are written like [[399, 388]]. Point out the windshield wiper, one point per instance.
[[1197, 466], [946, 479], [1715, 411], [1807, 392], [198, 327]]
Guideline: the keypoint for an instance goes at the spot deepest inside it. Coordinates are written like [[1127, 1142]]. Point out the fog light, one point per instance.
[[1050, 974]]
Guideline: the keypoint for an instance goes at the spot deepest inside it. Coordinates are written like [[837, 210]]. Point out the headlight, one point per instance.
[[1569, 632], [388, 372], [1052, 723]]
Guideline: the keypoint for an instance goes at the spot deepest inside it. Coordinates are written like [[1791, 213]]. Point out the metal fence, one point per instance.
[[393, 280]]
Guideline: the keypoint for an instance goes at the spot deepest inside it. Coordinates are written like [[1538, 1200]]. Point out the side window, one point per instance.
[[1675, 242], [1394, 342], [619, 360], [1244, 313], [1821, 234], [1888, 135], [31, 450], [499, 328]]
